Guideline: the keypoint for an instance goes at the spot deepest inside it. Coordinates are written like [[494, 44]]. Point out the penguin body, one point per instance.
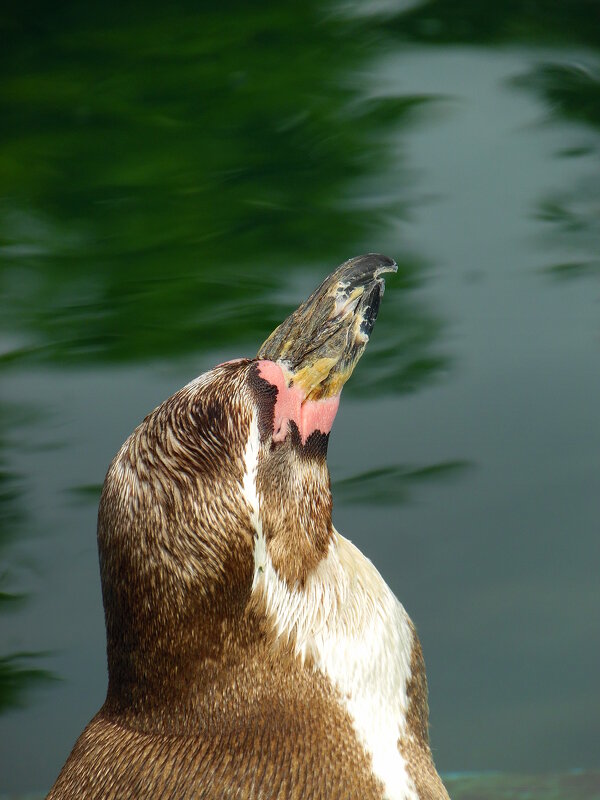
[[253, 652]]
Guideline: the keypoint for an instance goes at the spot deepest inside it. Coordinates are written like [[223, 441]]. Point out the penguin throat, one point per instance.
[[291, 406]]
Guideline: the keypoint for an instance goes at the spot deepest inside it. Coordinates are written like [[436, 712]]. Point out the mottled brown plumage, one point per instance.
[[206, 698]]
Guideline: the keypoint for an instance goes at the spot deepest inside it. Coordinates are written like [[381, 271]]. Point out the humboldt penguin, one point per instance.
[[253, 652]]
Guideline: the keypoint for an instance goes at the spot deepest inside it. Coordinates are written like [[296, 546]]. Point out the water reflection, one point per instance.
[[512, 21], [570, 89], [19, 672], [572, 786], [392, 485], [574, 229], [173, 182], [572, 93], [186, 166]]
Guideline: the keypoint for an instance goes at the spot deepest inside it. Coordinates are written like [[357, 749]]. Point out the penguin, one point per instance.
[[253, 652]]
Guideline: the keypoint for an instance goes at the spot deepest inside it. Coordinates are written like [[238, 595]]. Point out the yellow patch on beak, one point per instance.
[[311, 378]]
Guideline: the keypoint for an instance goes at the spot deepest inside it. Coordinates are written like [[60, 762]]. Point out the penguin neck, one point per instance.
[[290, 502], [177, 557]]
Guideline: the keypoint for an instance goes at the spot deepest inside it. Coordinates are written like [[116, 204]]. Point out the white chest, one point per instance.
[[357, 633]]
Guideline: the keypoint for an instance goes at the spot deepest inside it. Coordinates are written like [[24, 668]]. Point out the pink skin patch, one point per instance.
[[309, 415]]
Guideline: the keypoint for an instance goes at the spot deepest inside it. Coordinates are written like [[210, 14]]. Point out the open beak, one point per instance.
[[319, 345]]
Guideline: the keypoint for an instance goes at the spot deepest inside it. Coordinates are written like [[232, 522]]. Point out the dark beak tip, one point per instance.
[[384, 263], [366, 268], [378, 262]]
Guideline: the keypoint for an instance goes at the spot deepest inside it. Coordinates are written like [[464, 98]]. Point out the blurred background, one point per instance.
[[173, 182]]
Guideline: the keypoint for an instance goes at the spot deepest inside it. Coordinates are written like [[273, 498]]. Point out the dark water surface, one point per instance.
[[172, 183]]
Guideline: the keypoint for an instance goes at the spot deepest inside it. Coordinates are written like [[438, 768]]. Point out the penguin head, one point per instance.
[[238, 454]]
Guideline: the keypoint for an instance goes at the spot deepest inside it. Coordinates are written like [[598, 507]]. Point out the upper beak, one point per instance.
[[319, 345]]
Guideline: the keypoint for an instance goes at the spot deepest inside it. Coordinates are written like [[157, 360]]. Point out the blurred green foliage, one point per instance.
[[164, 176]]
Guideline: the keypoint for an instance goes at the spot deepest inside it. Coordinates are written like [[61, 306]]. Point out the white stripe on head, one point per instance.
[[250, 493], [249, 488]]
